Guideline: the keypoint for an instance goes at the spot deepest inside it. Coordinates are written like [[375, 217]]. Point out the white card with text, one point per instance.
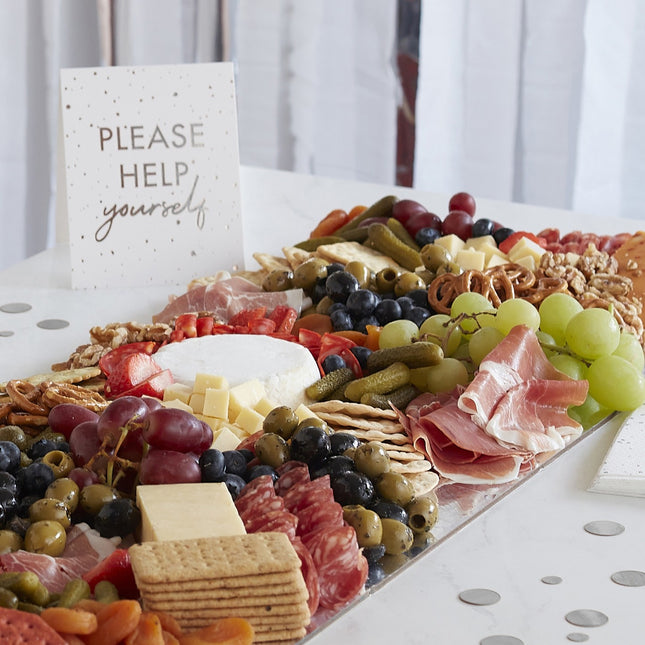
[[151, 163]]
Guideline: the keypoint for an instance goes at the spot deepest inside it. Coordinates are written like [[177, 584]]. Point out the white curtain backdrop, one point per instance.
[[538, 101]]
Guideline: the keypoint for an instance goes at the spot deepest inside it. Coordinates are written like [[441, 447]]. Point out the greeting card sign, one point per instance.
[[151, 168]]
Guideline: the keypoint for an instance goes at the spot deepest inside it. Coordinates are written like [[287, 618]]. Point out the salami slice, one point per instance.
[[255, 493], [250, 510], [312, 496], [295, 493], [296, 473], [342, 569], [273, 522], [316, 516], [309, 573]]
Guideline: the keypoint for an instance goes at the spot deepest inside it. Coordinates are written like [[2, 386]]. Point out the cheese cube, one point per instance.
[[527, 261], [176, 403], [470, 259], [196, 402], [490, 249], [214, 423], [451, 243], [496, 261], [526, 247], [204, 381], [238, 431], [216, 403], [177, 391], [168, 511], [264, 406], [477, 242], [244, 395], [303, 412], [250, 420], [224, 439]]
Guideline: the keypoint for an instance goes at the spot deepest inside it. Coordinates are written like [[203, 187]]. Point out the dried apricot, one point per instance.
[[70, 621], [115, 622], [226, 631], [147, 632]]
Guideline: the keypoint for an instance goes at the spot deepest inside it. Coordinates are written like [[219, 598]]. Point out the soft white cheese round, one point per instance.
[[284, 368]]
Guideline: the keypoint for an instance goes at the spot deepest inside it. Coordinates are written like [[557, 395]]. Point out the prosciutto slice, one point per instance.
[[226, 297]]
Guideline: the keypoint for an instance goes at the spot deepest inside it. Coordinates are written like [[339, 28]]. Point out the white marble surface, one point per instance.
[[535, 531]]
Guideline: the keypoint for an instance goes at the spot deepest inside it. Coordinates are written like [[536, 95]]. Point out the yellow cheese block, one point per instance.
[[225, 439], [470, 259], [451, 243], [525, 248], [244, 395], [177, 391], [196, 402], [204, 381], [216, 402], [177, 403], [477, 242], [264, 406], [187, 511], [303, 412], [250, 420]]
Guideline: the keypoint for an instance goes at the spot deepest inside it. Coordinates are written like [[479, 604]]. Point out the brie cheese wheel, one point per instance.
[[284, 368]]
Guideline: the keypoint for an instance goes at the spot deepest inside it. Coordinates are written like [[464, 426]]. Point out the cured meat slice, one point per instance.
[[309, 573], [293, 496], [317, 515], [517, 358], [274, 503], [312, 496], [342, 568], [533, 415], [255, 493], [273, 522], [297, 472]]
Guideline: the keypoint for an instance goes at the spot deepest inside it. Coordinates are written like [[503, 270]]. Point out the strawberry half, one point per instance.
[[153, 386], [132, 370], [109, 361]]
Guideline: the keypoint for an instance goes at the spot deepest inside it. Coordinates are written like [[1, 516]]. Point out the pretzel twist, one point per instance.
[[25, 396]]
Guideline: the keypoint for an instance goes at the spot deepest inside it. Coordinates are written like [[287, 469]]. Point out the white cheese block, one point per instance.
[[244, 395], [196, 402], [177, 391], [250, 420], [451, 243], [284, 368], [496, 261], [205, 381], [527, 261], [524, 248], [169, 511], [477, 242], [224, 439], [470, 259], [216, 402]]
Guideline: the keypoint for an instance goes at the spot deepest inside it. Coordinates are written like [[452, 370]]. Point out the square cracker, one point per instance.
[[410, 467], [214, 559], [345, 252], [353, 409], [271, 262], [231, 597], [423, 482], [261, 605]]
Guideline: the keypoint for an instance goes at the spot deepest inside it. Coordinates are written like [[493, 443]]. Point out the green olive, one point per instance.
[[60, 462], [10, 541], [323, 306], [93, 497], [366, 523], [278, 280], [361, 272], [434, 255], [395, 487], [448, 267], [385, 279], [423, 512], [50, 435], [66, 490], [282, 421], [426, 275], [16, 435], [313, 421], [371, 459], [397, 537], [305, 275], [46, 536], [392, 563], [272, 449], [407, 282], [25, 460], [49, 508], [8, 599]]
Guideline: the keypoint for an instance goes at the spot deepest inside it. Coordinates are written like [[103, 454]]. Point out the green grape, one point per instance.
[[589, 413], [515, 312], [592, 333], [398, 333], [545, 340], [556, 310], [469, 303], [616, 384], [438, 327], [571, 366], [630, 349], [482, 342], [446, 376]]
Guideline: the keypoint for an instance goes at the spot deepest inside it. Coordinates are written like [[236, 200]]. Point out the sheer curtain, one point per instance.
[[535, 101]]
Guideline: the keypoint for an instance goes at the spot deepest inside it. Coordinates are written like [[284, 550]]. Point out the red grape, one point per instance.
[[83, 477], [174, 429], [169, 467], [458, 223], [64, 417], [84, 442], [422, 220], [125, 413], [404, 209], [152, 402], [463, 202]]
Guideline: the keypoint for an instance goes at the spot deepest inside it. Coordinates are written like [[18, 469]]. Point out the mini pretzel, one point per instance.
[[55, 393], [474, 282], [545, 287], [5, 408], [520, 276], [441, 292], [24, 396], [26, 419]]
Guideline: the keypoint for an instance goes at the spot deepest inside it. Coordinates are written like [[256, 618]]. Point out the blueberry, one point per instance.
[[235, 484], [34, 478], [262, 469], [501, 234], [235, 462], [362, 354], [339, 285], [361, 303], [417, 315], [419, 297], [117, 517], [248, 454], [375, 574], [40, 448], [24, 503], [387, 310], [483, 227], [374, 553], [337, 306], [341, 320], [426, 236], [333, 362], [9, 456], [212, 464], [319, 291], [362, 324], [406, 303], [390, 510]]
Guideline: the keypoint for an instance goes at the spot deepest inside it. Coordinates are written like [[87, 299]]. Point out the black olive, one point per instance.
[[8, 482], [376, 573], [34, 479], [118, 517], [9, 504], [339, 285], [390, 510], [362, 354], [310, 443], [262, 469], [417, 315], [482, 226], [212, 464], [40, 448], [361, 325], [235, 484], [248, 454], [502, 233], [374, 553], [24, 503], [9, 456], [342, 441], [387, 310], [352, 488], [335, 465], [419, 297], [235, 462]]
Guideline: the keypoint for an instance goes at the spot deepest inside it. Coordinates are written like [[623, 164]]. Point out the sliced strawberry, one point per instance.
[[154, 385], [109, 361], [242, 318], [188, 324], [261, 326], [116, 568], [177, 335], [132, 370], [221, 328]]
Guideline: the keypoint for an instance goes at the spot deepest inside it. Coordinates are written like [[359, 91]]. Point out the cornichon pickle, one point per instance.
[[386, 380], [355, 235], [381, 208], [29, 607], [419, 354], [27, 586], [8, 598], [106, 592], [328, 383], [401, 232], [389, 244], [399, 398], [314, 242], [74, 591]]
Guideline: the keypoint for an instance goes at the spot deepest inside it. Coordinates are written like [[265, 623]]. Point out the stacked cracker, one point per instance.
[[256, 577]]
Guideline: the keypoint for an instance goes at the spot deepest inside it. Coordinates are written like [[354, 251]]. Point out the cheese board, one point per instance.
[[150, 301]]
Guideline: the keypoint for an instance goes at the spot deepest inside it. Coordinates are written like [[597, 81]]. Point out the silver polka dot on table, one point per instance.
[[604, 527], [6, 333], [577, 637], [53, 323], [629, 578], [551, 580], [501, 639], [15, 307], [479, 596], [586, 618]]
